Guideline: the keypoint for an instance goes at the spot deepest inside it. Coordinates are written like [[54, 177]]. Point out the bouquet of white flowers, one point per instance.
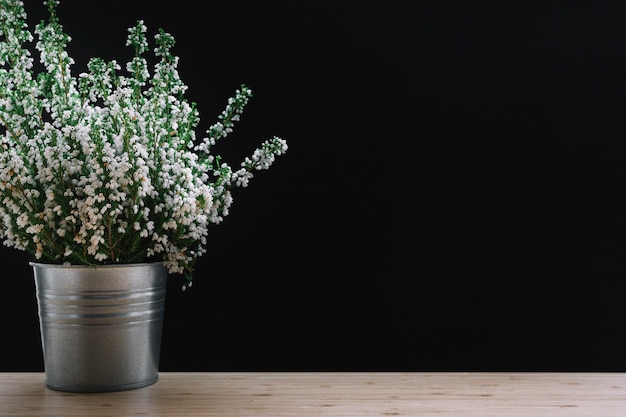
[[105, 168]]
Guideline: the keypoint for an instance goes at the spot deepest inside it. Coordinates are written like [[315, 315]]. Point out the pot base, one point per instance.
[[104, 388]]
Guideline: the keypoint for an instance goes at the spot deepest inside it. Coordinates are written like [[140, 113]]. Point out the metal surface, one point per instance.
[[100, 326]]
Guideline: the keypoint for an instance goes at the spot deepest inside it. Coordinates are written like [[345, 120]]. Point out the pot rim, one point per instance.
[[47, 265]]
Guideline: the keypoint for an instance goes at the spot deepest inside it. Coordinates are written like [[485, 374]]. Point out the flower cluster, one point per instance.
[[102, 167]]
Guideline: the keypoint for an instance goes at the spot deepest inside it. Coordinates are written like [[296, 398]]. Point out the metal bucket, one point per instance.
[[100, 326]]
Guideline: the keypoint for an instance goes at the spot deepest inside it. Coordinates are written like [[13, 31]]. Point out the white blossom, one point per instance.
[[104, 166]]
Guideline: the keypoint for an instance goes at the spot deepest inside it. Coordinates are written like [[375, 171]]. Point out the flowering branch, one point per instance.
[[105, 167]]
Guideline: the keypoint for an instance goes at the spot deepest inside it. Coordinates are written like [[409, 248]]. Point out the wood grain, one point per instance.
[[355, 394]]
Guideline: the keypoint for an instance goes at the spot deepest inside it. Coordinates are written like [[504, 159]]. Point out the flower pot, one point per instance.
[[100, 326]]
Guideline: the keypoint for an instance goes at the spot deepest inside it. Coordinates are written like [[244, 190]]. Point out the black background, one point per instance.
[[452, 198]]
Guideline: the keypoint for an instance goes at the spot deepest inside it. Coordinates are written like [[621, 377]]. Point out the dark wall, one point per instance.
[[452, 198]]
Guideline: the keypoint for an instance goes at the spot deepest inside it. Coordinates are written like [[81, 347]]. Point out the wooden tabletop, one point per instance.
[[355, 394]]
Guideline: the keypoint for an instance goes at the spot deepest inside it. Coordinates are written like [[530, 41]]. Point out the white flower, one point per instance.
[[106, 167]]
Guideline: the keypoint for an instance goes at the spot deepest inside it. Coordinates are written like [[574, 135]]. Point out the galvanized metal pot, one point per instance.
[[100, 326]]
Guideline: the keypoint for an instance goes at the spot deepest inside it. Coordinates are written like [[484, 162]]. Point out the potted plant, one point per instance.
[[100, 172]]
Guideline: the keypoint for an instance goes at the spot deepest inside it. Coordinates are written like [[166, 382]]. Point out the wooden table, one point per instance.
[[357, 394]]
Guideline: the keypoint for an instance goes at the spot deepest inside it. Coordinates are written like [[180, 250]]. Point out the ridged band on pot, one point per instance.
[[100, 326]]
